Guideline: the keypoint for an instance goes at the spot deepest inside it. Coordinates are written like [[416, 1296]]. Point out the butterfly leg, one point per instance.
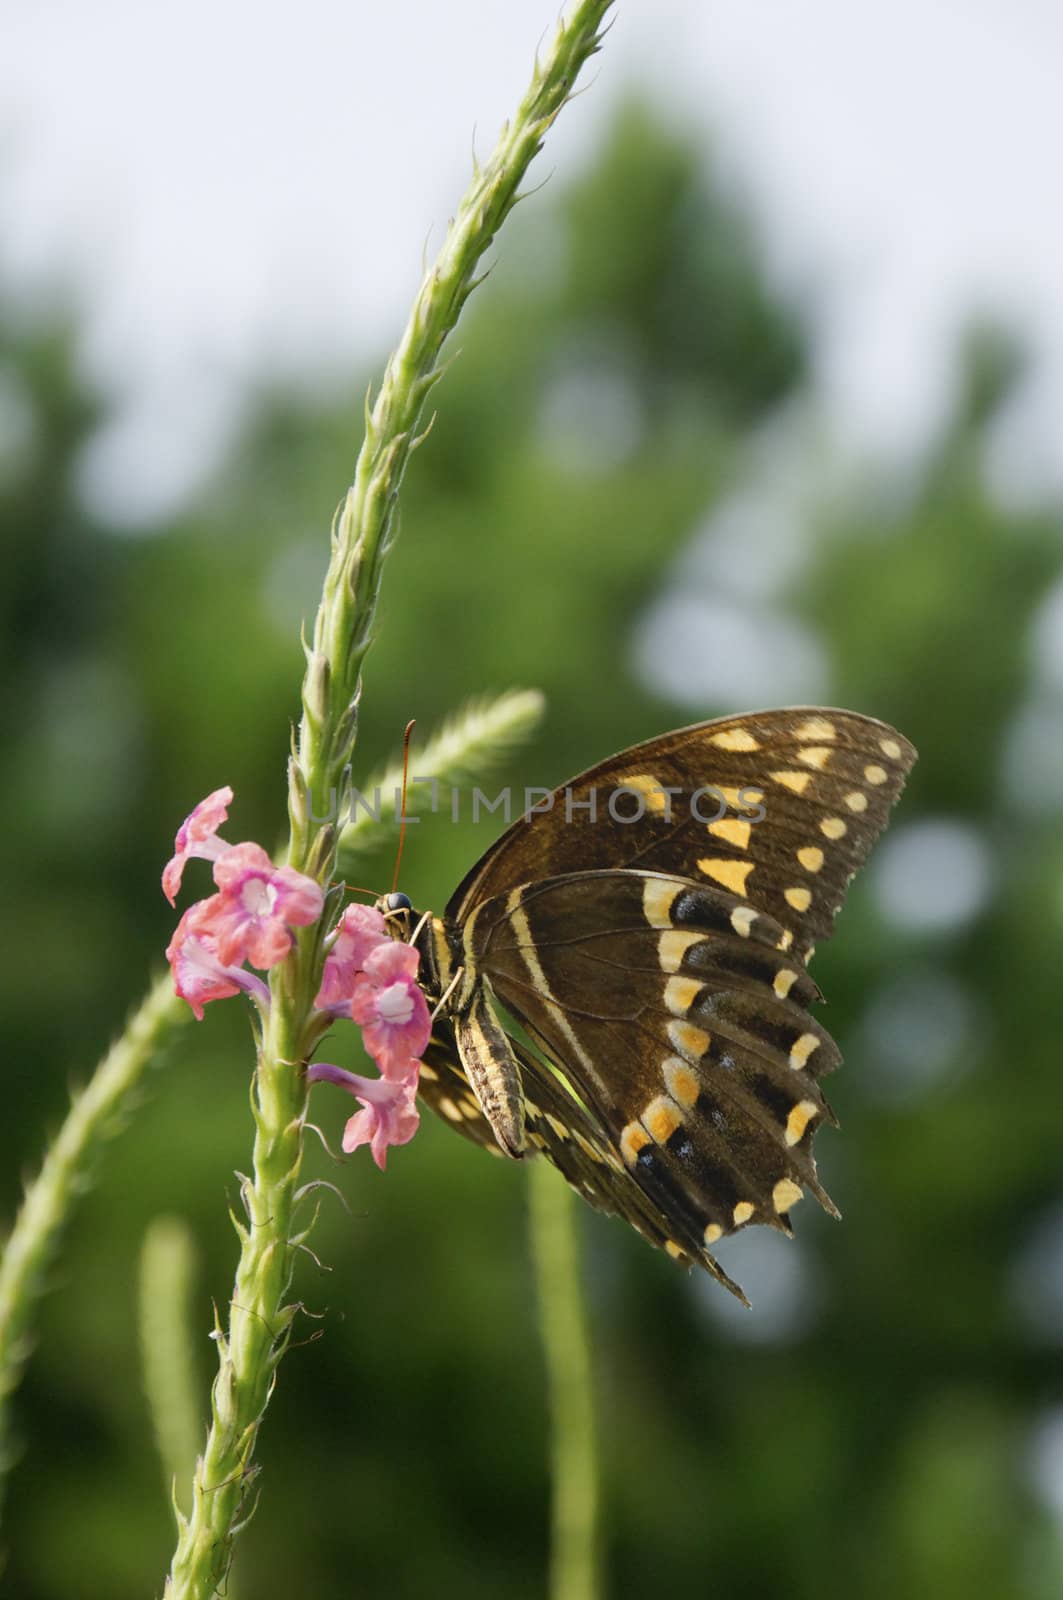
[[455, 983], [492, 1070]]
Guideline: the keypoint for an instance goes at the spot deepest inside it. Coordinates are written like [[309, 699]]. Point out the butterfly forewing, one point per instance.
[[777, 807]]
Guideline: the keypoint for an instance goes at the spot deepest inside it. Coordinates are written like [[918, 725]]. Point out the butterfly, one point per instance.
[[650, 930]]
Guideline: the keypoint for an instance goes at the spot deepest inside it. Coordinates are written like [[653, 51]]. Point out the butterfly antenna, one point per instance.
[[402, 813]]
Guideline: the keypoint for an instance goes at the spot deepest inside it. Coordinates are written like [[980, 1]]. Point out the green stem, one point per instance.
[[566, 1343], [260, 1316], [167, 1271], [96, 1113], [365, 525]]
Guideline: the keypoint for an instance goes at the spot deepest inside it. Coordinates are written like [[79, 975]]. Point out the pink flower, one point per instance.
[[196, 837], [199, 976], [389, 1116], [361, 929], [259, 903], [392, 1011], [389, 1112]]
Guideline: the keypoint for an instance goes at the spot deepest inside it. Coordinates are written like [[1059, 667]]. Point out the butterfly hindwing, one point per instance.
[[682, 1027], [558, 1128]]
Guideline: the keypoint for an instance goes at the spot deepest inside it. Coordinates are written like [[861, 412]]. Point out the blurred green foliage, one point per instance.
[[869, 1434]]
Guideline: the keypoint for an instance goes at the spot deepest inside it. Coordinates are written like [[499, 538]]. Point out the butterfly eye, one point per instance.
[[398, 902]]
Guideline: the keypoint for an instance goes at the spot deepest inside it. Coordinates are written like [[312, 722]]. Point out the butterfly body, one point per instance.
[[650, 930]]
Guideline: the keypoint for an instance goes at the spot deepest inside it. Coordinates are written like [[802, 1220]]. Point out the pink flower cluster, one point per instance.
[[249, 919], [372, 979], [368, 976]]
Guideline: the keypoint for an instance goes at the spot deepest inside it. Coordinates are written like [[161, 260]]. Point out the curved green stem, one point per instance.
[[96, 1113], [365, 525]]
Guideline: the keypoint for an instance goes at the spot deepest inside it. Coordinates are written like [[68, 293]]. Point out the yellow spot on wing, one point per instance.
[[732, 874], [676, 1251], [429, 1072], [786, 941], [875, 775], [797, 781], [680, 994], [743, 799], [691, 1042], [712, 1233], [586, 1146], [784, 981], [650, 789], [833, 828], [856, 801], [673, 945], [802, 1048], [785, 1194], [557, 1125], [682, 1082], [733, 829], [662, 1117], [742, 1212], [734, 739], [817, 755], [633, 1139], [658, 897], [798, 1120], [811, 858], [449, 1109], [742, 919], [891, 748], [816, 728], [799, 898]]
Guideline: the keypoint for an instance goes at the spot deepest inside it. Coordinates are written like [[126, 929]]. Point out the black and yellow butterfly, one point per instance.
[[650, 931]]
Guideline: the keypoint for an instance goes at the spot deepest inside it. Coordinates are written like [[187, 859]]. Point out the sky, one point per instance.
[[231, 188]]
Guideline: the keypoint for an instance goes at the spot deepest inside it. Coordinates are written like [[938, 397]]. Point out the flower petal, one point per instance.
[[261, 902], [299, 899], [361, 929], [393, 1037], [199, 974], [385, 1120], [196, 837], [240, 859], [392, 961]]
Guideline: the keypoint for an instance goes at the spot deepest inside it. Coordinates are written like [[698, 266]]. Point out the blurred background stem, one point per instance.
[[167, 1275], [565, 1332]]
